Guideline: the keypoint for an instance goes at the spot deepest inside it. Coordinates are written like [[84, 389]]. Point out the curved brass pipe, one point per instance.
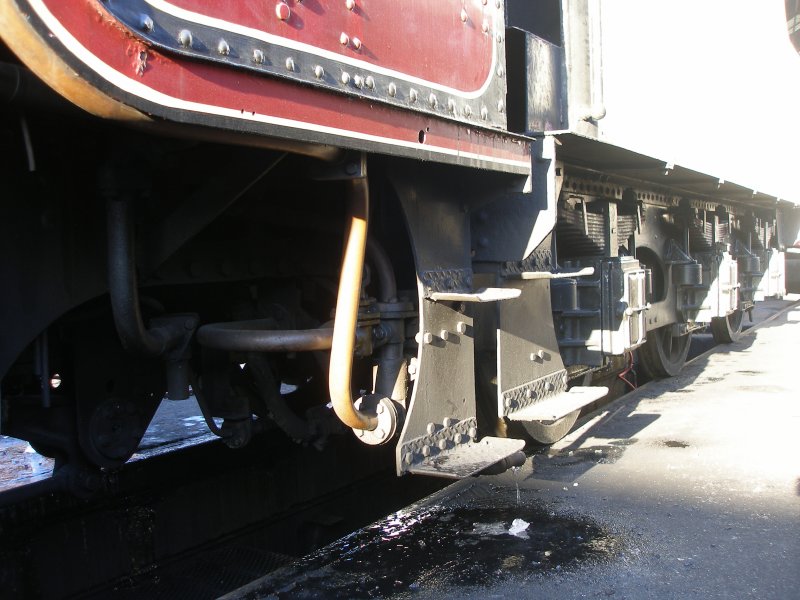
[[346, 320]]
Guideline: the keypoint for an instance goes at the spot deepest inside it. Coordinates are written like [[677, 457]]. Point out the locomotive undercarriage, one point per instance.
[[176, 267]]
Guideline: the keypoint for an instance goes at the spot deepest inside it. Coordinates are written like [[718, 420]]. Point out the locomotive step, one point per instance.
[[529, 275], [481, 295], [467, 459], [560, 405]]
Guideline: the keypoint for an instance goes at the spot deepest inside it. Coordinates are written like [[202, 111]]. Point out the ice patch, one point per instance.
[[518, 527]]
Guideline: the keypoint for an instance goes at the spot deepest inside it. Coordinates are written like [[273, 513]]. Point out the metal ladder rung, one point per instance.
[[529, 275], [481, 295], [560, 405]]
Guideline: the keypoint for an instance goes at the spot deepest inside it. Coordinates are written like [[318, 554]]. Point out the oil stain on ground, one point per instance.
[[443, 547]]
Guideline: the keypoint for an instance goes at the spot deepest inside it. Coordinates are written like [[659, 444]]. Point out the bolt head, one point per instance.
[[290, 64], [344, 39], [442, 444], [433, 101], [392, 90], [461, 327], [282, 11], [427, 337], [473, 432], [370, 82], [484, 113], [319, 72], [463, 16], [508, 402], [146, 22], [258, 57], [223, 48], [350, 4], [413, 95], [356, 43], [381, 409], [444, 334], [431, 428], [345, 79], [408, 458], [426, 450], [529, 394], [449, 422], [185, 38]]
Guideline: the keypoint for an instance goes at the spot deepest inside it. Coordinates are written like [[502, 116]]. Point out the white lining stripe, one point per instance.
[[139, 89]]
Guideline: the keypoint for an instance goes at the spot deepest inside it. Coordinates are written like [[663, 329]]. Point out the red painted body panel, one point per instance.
[[210, 94], [423, 39]]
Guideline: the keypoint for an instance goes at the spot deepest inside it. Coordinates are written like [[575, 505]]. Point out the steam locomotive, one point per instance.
[[394, 221]]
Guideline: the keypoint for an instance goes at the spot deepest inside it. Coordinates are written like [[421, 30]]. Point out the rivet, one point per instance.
[[549, 386], [457, 439], [442, 444], [392, 90], [350, 4], [427, 337], [431, 428], [426, 450], [485, 26], [463, 16], [444, 334], [451, 105], [473, 432], [467, 110], [185, 38], [282, 11], [258, 57], [508, 402], [356, 43], [223, 48], [290, 64], [500, 71], [448, 421], [358, 81], [345, 77], [413, 95], [499, 38], [461, 327], [344, 39], [146, 22], [484, 113], [432, 100], [319, 72], [501, 106], [370, 82], [529, 394], [408, 458]]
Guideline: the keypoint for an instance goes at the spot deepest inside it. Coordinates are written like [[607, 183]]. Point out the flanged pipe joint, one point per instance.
[[387, 416]]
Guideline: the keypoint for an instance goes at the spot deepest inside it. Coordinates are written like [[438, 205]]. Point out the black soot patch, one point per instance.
[[445, 547]]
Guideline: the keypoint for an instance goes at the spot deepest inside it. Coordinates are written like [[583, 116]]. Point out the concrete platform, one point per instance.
[[685, 488]]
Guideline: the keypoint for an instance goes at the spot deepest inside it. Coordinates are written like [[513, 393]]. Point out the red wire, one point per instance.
[[627, 370]]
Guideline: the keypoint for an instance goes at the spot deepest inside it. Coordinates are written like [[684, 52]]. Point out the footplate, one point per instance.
[[558, 406], [452, 450]]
